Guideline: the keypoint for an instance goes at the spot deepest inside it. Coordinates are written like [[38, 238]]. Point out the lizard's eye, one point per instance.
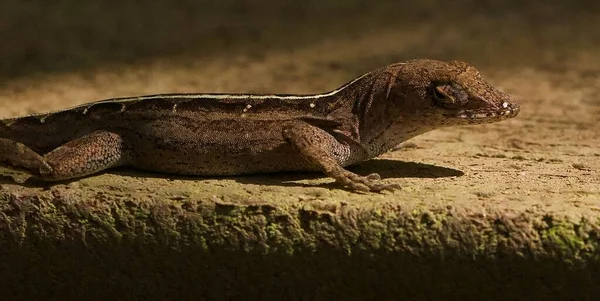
[[442, 93], [449, 95]]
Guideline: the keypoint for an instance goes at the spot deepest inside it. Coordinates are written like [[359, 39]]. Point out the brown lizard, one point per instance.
[[235, 134]]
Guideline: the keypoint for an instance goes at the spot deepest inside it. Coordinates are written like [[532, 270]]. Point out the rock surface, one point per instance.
[[507, 211]]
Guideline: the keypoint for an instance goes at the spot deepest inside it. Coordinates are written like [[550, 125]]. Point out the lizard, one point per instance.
[[219, 134]]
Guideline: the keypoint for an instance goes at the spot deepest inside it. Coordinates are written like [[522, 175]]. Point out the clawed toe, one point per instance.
[[386, 187], [373, 176], [358, 187], [372, 183], [356, 183]]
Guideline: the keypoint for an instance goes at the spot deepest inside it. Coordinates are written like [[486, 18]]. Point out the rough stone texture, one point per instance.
[[64, 243], [506, 211]]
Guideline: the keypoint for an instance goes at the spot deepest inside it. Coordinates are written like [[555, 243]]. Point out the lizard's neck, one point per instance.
[[383, 122]]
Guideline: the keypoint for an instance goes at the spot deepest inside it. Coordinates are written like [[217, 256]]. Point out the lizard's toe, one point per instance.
[[359, 187], [377, 186], [369, 183], [373, 176], [373, 183], [391, 187]]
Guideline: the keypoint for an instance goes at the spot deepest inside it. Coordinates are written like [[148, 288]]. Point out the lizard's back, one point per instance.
[[203, 134]]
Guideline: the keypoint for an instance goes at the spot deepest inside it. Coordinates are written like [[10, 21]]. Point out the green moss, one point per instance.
[[567, 239], [233, 241]]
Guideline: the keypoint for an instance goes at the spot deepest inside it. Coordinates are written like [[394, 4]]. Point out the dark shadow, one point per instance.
[[387, 169], [399, 169], [384, 167], [36, 183]]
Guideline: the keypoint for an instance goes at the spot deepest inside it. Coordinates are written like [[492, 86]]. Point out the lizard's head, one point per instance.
[[451, 93]]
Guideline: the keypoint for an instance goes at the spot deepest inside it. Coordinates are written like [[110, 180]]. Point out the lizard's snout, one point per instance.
[[515, 109], [505, 110], [509, 109]]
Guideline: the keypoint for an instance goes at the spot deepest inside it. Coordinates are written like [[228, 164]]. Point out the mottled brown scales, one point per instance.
[[84, 156], [235, 134]]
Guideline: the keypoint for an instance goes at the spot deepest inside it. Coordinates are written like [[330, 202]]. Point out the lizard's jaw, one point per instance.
[[486, 115]]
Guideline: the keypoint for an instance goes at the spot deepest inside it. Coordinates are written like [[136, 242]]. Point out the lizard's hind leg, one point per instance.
[[77, 158]]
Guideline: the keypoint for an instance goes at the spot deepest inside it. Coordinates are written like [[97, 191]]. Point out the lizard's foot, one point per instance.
[[369, 183], [20, 162], [80, 157], [317, 147]]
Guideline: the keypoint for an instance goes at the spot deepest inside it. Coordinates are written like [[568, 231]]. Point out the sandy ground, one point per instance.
[[545, 160]]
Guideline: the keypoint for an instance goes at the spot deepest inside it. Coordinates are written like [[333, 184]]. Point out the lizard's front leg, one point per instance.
[[80, 157], [320, 148]]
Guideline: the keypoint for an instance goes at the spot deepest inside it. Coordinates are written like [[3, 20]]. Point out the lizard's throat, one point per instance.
[[393, 136]]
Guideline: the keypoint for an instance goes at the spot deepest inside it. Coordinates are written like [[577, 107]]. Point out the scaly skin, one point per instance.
[[234, 134]]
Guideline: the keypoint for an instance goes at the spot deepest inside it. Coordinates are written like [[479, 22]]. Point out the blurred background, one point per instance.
[[71, 35]]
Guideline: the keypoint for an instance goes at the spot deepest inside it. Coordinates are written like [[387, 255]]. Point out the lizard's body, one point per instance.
[[232, 134]]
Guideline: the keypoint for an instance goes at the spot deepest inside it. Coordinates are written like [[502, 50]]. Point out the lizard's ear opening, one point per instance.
[[449, 95]]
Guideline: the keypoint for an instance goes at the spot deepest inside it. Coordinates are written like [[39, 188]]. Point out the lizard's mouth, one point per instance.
[[504, 111]]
